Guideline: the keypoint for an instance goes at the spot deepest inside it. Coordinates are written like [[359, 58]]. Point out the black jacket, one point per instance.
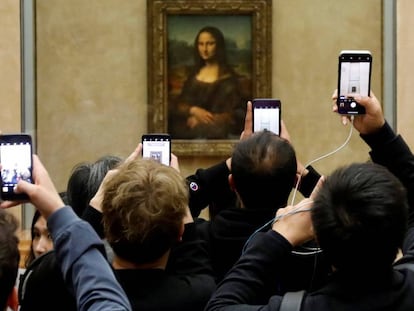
[[186, 284], [231, 227], [247, 286], [42, 287]]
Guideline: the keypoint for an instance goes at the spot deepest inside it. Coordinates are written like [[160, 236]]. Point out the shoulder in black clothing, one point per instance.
[[42, 286]]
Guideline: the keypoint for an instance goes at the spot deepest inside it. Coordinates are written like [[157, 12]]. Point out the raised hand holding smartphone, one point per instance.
[[157, 147], [17, 164], [266, 115], [354, 77]]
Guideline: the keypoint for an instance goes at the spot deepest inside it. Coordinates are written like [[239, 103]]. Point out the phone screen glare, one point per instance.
[[157, 149], [266, 118]]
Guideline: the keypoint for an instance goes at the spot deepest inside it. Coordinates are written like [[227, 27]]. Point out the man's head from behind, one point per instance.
[[263, 170], [360, 217], [9, 255], [143, 209]]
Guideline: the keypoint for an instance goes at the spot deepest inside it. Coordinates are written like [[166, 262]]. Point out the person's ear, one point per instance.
[[231, 183]]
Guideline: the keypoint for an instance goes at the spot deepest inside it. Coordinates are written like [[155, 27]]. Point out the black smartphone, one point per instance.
[[17, 163], [157, 147], [354, 76], [266, 114]]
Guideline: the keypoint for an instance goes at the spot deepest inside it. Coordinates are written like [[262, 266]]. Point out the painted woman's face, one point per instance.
[[206, 46], [42, 241]]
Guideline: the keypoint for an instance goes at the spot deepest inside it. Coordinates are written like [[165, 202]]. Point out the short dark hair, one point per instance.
[[264, 170], [9, 255], [360, 217]]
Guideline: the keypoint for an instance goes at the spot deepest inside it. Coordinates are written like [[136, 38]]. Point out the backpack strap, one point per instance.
[[292, 301]]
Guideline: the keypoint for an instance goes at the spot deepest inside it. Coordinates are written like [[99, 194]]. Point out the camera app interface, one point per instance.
[[266, 118], [355, 73], [16, 164], [157, 149], [354, 78]]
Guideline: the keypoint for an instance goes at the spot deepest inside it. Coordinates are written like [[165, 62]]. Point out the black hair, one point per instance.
[[77, 191], [30, 255], [85, 180], [360, 218], [264, 170]]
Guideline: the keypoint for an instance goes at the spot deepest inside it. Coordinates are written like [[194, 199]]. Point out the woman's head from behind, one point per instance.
[[85, 180]]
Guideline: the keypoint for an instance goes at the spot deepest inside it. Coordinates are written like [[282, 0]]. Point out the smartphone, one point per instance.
[[354, 76], [157, 147], [266, 114], [16, 161]]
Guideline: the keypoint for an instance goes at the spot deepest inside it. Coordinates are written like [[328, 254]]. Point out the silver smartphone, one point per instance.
[[354, 77]]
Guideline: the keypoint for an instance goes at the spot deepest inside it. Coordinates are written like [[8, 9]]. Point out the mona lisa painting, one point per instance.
[[206, 60]]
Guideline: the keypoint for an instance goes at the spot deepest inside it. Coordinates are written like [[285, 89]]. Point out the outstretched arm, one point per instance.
[[78, 248], [387, 149]]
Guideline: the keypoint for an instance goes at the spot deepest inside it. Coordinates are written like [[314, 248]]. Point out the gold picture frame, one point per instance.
[[169, 23]]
